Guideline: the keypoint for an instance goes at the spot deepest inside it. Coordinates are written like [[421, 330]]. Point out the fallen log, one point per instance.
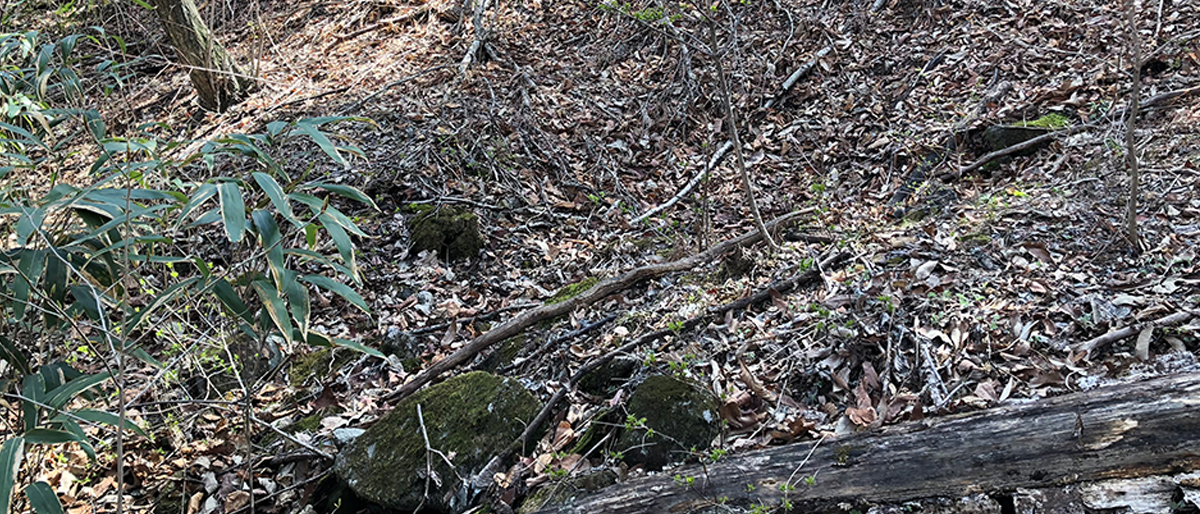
[[1126, 431]]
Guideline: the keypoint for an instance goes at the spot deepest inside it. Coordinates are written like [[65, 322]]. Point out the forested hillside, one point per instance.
[[477, 256]]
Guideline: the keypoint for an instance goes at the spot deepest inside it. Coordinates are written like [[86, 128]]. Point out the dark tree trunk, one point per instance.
[[1126, 431], [218, 80]]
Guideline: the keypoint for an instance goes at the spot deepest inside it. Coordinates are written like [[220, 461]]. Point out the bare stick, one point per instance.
[[716, 158], [1131, 161], [1132, 330], [731, 123], [596, 293]]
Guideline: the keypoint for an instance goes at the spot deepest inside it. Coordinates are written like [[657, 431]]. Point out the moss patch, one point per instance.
[[571, 291], [452, 232], [316, 363], [1052, 121], [472, 417]]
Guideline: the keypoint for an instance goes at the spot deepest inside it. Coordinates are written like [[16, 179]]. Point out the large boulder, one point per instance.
[[670, 417], [468, 418]]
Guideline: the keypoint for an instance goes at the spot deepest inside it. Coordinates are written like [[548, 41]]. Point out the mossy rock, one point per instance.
[[1000, 137], [452, 232], [1052, 121], [472, 417], [682, 411]]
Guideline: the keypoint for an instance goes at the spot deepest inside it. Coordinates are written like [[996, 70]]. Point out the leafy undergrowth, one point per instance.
[[586, 117]]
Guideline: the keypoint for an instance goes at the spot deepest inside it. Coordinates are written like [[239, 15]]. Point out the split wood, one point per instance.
[[596, 293], [1116, 335]]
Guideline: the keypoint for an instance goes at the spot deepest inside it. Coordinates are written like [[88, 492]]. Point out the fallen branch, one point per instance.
[[597, 292], [1011, 150], [482, 479], [1132, 330], [1125, 431], [712, 163]]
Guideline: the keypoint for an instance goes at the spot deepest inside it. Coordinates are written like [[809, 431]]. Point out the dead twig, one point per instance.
[[731, 124]]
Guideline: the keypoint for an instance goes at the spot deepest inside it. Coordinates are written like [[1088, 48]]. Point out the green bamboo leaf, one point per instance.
[[278, 198], [306, 255], [14, 356], [59, 397], [140, 354], [29, 138], [355, 345], [33, 387], [232, 301], [322, 141], [49, 436], [273, 303], [42, 499], [345, 222], [95, 124], [29, 223], [71, 426], [233, 210], [107, 418], [347, 191], [339, 289], [86, 298], [199, 196], [271, 241], [342, 241], [10, 465], [298, 301]]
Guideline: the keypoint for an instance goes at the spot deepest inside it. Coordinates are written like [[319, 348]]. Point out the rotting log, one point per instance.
[[1125, 431]]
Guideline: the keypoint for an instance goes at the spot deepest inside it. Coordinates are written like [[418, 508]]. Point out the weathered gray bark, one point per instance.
[[1129, 431], [218, 80]]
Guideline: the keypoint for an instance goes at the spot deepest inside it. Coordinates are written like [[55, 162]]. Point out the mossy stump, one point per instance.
[[470, 417]]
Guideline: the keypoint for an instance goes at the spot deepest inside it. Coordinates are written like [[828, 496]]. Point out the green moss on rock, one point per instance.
[[472, 416], [682, 411], [452, 232]]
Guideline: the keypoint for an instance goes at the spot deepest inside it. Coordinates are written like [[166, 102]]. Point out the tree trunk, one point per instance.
[[1126, 431], [218, 80]]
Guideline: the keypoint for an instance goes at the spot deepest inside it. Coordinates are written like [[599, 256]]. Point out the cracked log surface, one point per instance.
[[1123, 431]]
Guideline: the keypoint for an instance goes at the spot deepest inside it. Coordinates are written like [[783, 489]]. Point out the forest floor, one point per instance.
[[579, 118]]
